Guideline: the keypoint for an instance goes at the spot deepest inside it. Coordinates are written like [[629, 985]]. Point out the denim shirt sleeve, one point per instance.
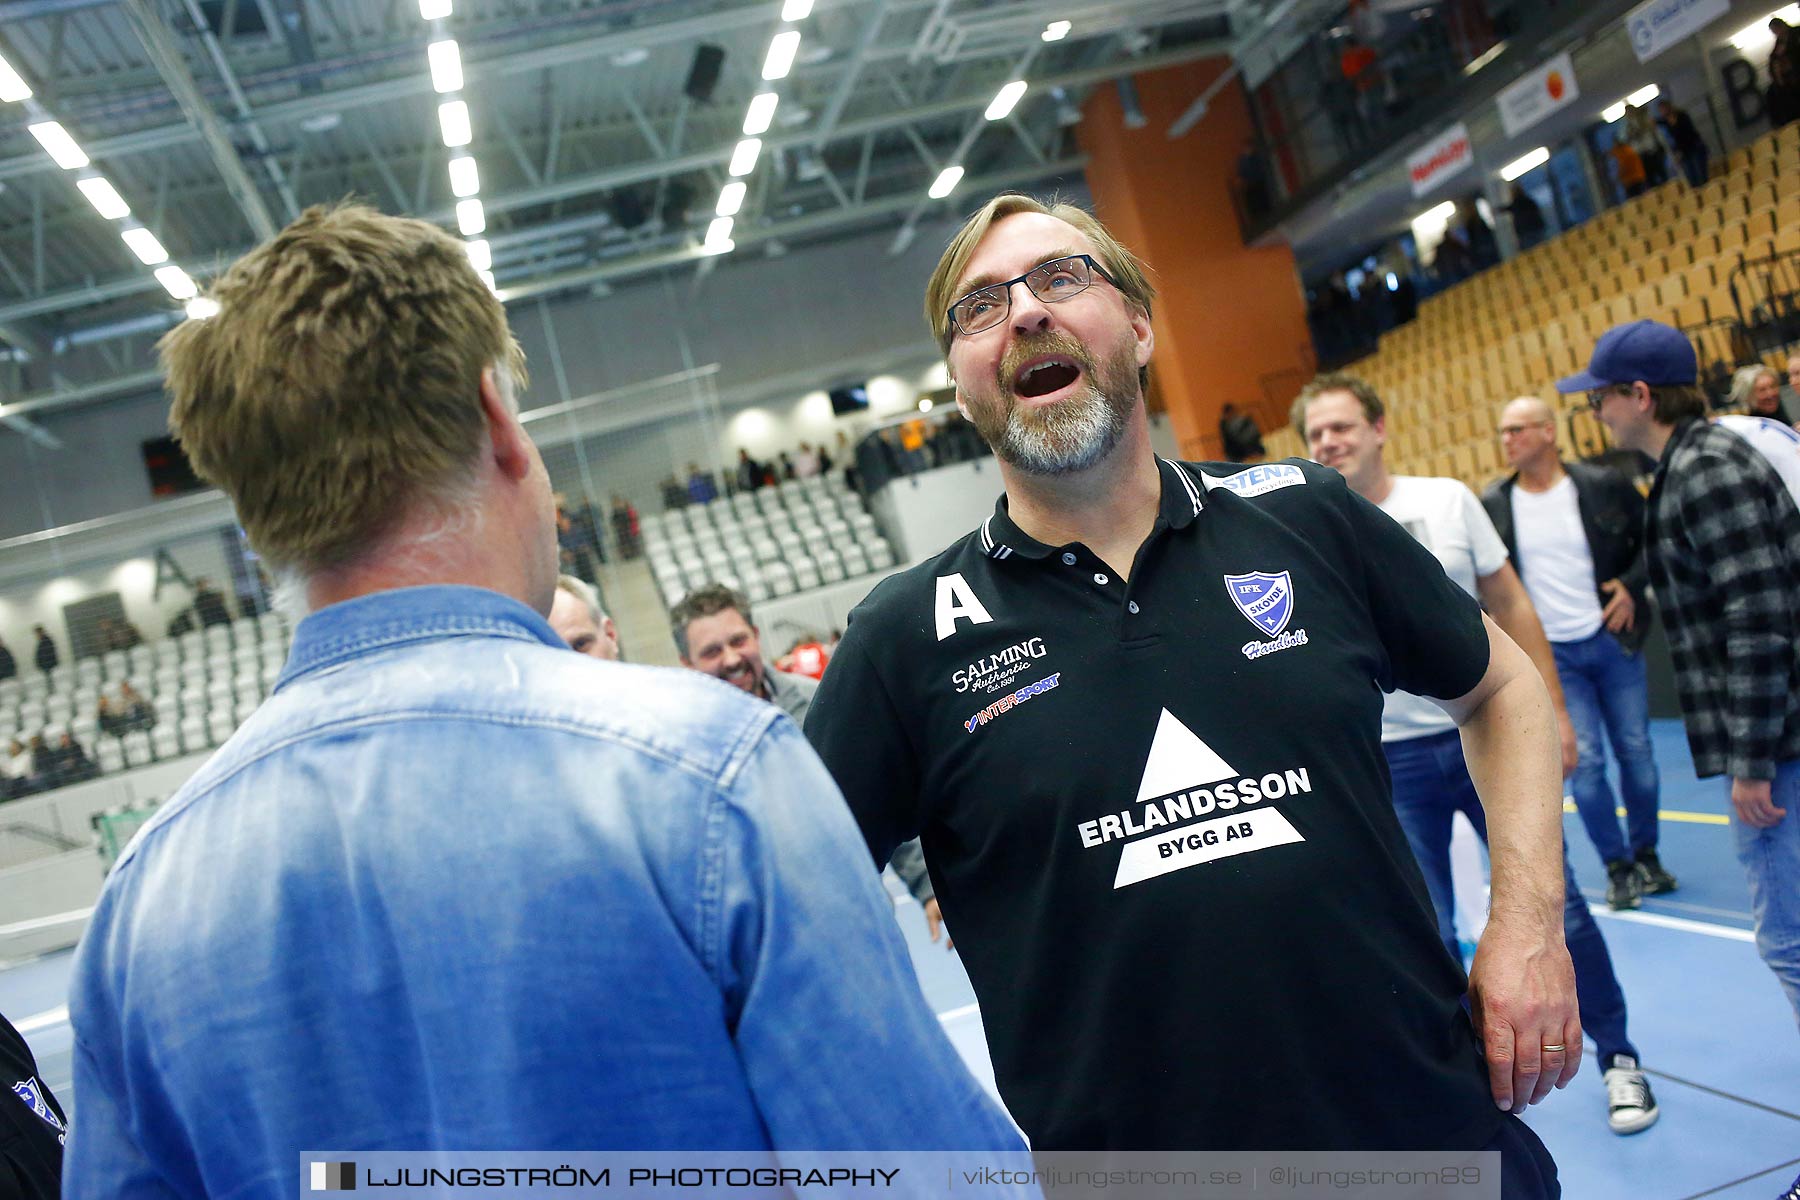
[[102, 1159], [837, 1042]]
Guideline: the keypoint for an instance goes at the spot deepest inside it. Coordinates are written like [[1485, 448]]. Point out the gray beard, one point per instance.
[[1071, 437]]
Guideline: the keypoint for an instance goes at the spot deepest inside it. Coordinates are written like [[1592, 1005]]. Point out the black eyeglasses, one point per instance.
[[1052, 282], [1598, 396]]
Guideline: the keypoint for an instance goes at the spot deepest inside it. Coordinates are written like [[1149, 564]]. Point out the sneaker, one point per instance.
[[1622, 889], [1630, 1104], [1653, 880]]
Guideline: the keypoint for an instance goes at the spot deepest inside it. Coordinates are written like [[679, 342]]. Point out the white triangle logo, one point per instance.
[[1179, 761]]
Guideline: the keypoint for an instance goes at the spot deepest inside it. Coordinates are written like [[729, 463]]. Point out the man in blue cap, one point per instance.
[[1722, 536]]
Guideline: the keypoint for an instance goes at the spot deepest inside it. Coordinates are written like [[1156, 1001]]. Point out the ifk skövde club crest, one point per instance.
[[1266, 600]]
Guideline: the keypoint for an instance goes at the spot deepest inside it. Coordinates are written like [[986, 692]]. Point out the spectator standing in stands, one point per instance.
[[9, 666], [575, 547], [1484, 247], [1345, 425], [784, 466], [209, 604], [1628, 168], [1527, 218], [1577, 533], [1641, 131], [32, 1130], [1757, 390], [126, 636], [674, 495], [702, 486], [579, 620], [1690, 148], [626, 530], [1238, 432], [806, 462], [749, 473], [1722, 536], [45, 655], [1783, 96], [110, 722], [1453, 261], [671, 944]]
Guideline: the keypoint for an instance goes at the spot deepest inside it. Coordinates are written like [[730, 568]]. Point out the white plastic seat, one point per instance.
[[110, 757], [136, 746], [165, 742]]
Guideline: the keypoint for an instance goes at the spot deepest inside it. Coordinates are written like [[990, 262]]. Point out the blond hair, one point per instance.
[[1336, 381], [338, 384], [940, 291]]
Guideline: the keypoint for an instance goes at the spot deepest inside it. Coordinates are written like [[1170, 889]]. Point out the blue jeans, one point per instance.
[[1604, 686], [1432, 785], [1771, 860]]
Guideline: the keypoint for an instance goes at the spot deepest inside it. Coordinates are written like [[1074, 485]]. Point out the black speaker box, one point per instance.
[[703, 76]]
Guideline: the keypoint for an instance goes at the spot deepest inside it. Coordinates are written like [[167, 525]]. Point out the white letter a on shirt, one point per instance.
[[955, 599]]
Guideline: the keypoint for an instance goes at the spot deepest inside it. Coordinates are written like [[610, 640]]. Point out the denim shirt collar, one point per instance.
[[349, 629]]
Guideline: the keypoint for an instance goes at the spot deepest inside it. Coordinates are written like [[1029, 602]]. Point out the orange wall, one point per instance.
[[1226, 315]]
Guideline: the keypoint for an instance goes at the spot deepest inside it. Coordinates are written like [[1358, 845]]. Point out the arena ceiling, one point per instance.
[[216, 121]]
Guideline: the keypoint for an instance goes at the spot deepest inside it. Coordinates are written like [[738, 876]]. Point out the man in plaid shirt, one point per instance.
[[1722, 536]]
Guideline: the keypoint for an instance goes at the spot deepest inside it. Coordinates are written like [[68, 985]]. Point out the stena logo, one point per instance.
[[1259, 481], [1643, 36], [956, 601]]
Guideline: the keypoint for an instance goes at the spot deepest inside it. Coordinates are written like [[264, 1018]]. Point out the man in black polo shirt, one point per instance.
[[1136, 718]]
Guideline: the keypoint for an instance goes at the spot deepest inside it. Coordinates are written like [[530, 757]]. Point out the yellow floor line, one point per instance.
[[1669, 814]]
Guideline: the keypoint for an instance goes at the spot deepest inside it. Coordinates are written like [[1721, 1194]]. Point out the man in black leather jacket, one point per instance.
[[1576, 532]]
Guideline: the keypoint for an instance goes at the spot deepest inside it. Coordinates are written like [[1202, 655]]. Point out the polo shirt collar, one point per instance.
[[1000, 537]]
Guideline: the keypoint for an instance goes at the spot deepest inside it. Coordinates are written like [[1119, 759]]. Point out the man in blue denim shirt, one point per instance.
[[454, 887]]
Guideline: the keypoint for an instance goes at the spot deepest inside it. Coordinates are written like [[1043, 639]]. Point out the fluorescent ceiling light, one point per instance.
[[1055, 31], [796, 10], [465, 178], [1005, 99], [946, 182], [471, 218], [481, 254], [453, 120], [446, 65], [719, 231], [1643, 95], [105, 199], [202, 307], [1438, 215], [760, 113], [487, 277], [143, 243], [731, 198], [1612, 112], [781, 54], [743, 158], [55, 139], [1525, 162], [13, 87], [176, 282], [1488, 56], [434, 10], [1756, 36]]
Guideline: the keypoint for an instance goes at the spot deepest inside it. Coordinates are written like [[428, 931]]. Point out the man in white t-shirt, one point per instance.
[[1778, 443], [1577, 532], [1345, 425]]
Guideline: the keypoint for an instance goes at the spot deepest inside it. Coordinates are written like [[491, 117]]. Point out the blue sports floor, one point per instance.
[[1717, 1036]]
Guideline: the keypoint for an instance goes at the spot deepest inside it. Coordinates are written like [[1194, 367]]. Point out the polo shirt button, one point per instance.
[[1132, 607], [1068, 558], [1100, 579]]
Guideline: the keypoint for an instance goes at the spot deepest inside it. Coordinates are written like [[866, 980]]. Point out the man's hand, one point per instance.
[[1755, 806], [1522, 1000], [1565, 733], [1620, 613], [934, 922]]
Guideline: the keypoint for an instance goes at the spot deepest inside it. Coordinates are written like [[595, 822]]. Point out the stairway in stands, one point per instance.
[[637, 609]]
